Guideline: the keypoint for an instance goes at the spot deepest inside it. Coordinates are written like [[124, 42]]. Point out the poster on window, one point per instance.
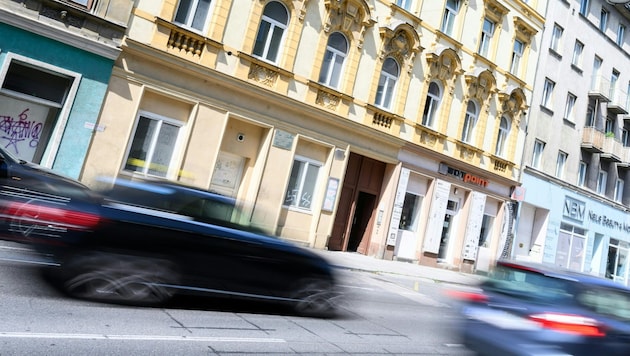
[[21, 126], [473, 226], [435, 224], [399, 201]]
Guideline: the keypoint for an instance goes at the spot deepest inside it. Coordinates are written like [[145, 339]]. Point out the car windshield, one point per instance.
[[527, 284]]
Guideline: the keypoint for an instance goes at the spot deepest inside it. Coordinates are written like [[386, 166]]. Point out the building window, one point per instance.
[[556, 37], [590, 116], [548, 93], [336, 52], [621, 34], [568, 107], [405, 4], [617, 263], [271, 31], [603, 20], [485, 233], [470, 122], [619, 190], [450, 13], [487, 32], [430, 107], [561, 164], [517, 54], [387, 83], [614, 80], [584, 7], [578, 49], [581, 178], [609, 126], [571, 247], [602, 177], [625, 137], [504, 130], [539, 147], [410, 216], [193, 13], [153, 144], [302, 183]]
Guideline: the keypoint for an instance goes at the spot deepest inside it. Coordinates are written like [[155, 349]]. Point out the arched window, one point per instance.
[[271, 31], [504, 130], [387, 83], [430, 107], [193, 13], [470, 122], [336, 52]]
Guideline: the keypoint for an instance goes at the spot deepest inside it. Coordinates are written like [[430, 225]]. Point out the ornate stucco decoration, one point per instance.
[[523, 28], [349, 16], [262, 75], [427, 138], [513, 104], [445, 66], [495, 10], [401, 43], [480, 87], [327, 100]]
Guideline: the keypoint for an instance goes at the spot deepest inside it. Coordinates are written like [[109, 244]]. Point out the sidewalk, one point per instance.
[[359, 262]]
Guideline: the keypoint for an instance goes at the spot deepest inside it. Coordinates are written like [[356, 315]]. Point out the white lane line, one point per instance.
[[136, 337]]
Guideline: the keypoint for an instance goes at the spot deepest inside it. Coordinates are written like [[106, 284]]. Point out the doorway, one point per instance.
[[447, 228], [363, 213]]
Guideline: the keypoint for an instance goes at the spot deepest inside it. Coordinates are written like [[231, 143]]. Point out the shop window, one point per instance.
[[302, 183], [271, 31], [153, 144], [410, 212], [334, 58], [617, 263], [486, 230], [387, 83], [193, 13], [571, 247]]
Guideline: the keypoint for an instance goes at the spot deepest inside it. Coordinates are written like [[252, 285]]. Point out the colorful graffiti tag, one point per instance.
[[15, 133]]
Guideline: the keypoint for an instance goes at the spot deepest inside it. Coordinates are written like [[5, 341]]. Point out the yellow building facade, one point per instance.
[[390, 128]]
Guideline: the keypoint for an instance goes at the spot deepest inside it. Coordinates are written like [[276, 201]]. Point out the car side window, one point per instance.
[[607, 302]]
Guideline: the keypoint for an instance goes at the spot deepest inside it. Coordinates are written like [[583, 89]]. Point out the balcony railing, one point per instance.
[[600, 88], [592, 140], [618, 101], [612, 149]]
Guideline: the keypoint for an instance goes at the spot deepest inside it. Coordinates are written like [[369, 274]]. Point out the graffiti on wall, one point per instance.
[[22, 126], [19, 131]]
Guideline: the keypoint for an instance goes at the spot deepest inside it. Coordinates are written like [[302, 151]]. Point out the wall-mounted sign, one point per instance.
[[331, 194], [574, 209], [283, 139], [463, 176]]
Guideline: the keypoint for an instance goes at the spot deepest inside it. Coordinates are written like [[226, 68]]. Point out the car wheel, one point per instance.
[[119, 278], [316, 297]]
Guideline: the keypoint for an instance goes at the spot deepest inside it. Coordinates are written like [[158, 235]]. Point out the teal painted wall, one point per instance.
[[95, 71]]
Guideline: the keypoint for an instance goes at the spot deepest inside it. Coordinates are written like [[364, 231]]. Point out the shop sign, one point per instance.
[[608, 222], [574, 209], [463, 176]]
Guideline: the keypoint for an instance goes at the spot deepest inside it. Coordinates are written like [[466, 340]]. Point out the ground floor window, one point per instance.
[[571, 247], [32, 94], [486, 230], [154, 141], [410, 212], [617, 264], [302, 183]]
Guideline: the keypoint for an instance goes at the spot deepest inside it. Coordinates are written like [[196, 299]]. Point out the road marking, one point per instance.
[[136, 337]]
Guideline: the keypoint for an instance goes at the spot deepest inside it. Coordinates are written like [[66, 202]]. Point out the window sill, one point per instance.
[[546, 110], [576, 68], [555, 53]]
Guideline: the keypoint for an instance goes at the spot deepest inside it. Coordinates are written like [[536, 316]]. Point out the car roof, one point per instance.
[[559, 272]]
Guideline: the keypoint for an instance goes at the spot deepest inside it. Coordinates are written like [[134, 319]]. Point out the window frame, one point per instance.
[[537, 154], [502, 136], [584, 6], [470, 121], [582, 173], [621, 34], [517, 55], [547, 95], [556, 38], [384, 96], [431, 105], [603, 20], [569, 107], [146, 168], [561, 164], [273, 25], [307, 162], [404, 4], [619, 185], [450, 14], [190, 15], [602, 180], [330, 72], [486, 37], [578, 50]]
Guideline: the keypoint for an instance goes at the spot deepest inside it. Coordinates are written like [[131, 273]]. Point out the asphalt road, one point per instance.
[[383, 316]]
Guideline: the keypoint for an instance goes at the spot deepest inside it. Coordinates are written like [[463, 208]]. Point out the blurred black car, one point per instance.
[[31, 194], [144, 242], [533, 309]]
